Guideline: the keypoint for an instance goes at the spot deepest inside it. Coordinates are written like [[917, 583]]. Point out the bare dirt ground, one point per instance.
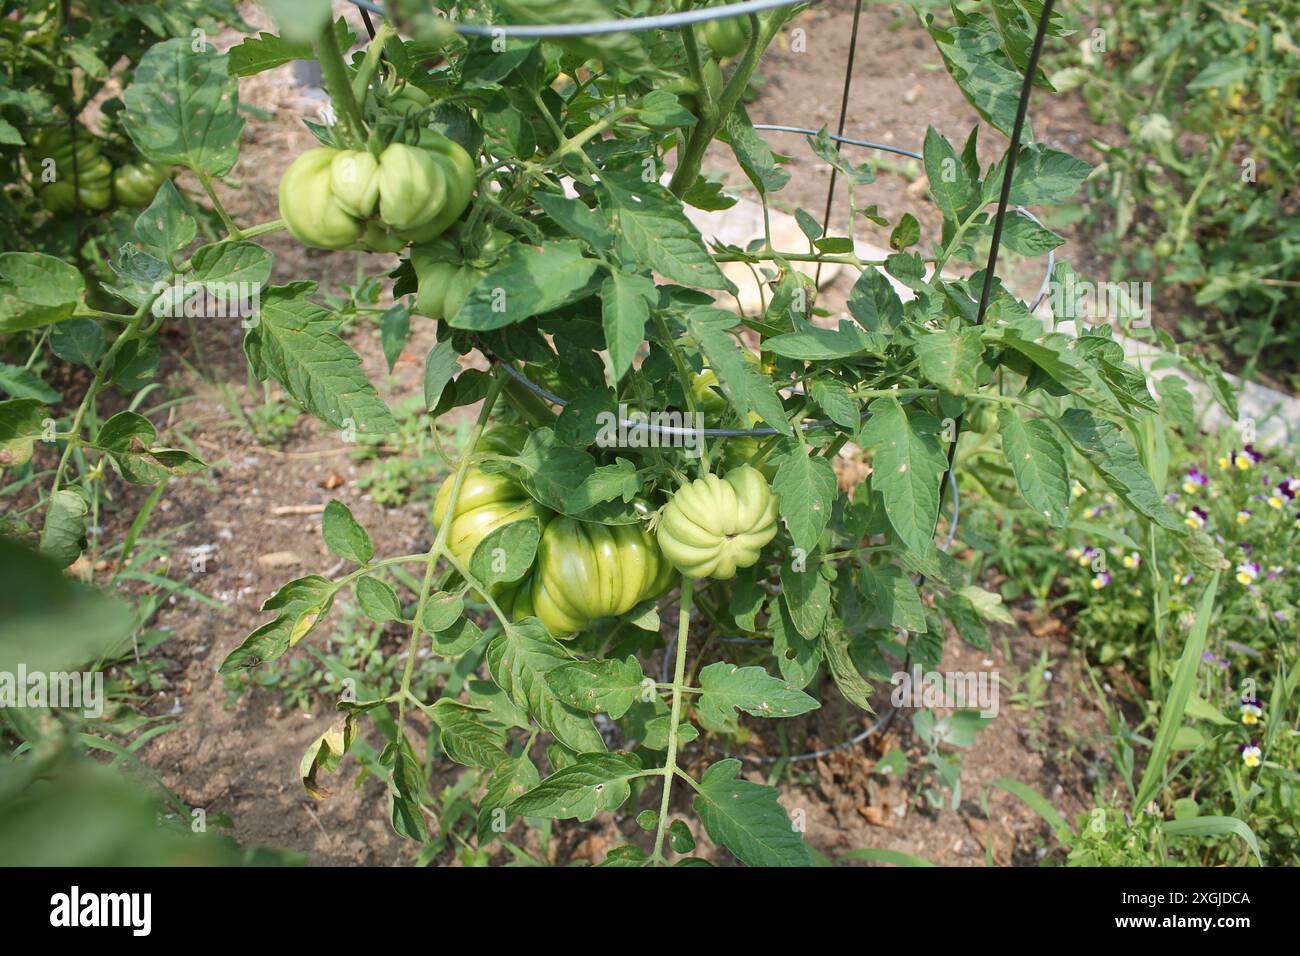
[[243, 760]]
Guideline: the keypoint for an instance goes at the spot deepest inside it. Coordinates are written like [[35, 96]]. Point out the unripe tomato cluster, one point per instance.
[[84, 177], [585, 571], [444, 276], [353, 199]]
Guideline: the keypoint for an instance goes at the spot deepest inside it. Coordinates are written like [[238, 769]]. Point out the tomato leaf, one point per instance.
[[906, 469], [951, 360], [64, 536], [591, 784], [519, 659], [1039, 463], [510, 780], [1103, 444], [344, 535], [600, 686], [295, 343], [805, 488], [507, 553], [530, 280], [625, 302], [747, 818], [183, 108], [468, 735], [36, 290], [651, 229], [377, 600], [727, 688], [302, 604]]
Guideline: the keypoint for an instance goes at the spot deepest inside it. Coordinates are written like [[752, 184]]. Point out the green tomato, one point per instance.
[[354, 181], [486, 502], [83, 177], [727, 37], [983, 418], [135, 184], [443, 285], [459, 173], [412, 188], [1163, 248], [308, 205], [347, 199], [713, 526], [378, 239], [444, 281], [587, 571], [410, 97]]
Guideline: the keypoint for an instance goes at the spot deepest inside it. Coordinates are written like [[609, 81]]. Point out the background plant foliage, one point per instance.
[[1201, 179]]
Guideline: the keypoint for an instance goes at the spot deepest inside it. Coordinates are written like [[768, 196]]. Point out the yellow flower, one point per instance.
[[1275, 501], [1243, 462], [1223, 462], [1251, 757]]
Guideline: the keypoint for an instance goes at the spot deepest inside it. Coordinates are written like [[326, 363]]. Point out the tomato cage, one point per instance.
[[747, 8]]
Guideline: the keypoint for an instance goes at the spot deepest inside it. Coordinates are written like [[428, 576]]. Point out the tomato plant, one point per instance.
[[643, 462]]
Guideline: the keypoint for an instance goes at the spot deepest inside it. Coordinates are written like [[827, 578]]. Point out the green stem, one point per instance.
[[232, 230], [101, 371], [366, 72], [1184, 220], [684, 374], [262, 228], [439, 543], [678, 688], [334, 74], [845, 259], [948, 250], [712, 115]]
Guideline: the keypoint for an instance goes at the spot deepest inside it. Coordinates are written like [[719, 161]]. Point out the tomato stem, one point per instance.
[[439, 544], [334, 74], [679, 689]]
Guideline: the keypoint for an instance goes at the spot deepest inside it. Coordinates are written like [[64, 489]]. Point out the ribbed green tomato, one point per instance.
[[309, 207], [460, 175], [715, 525], [443, 286], [587, 571], [412, 187], [346, 199], [354, 180], [486, 502], [135, 184], [85, 180]]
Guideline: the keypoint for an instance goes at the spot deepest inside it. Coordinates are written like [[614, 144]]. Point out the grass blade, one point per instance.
[[896, 857], [1214, 826], [1179, 692], [1035, 802]]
